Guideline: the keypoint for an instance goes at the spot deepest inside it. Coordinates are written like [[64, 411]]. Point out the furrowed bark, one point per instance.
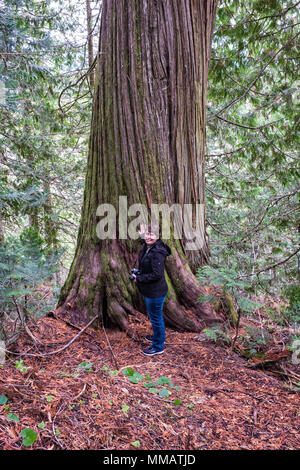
[[147, 143]]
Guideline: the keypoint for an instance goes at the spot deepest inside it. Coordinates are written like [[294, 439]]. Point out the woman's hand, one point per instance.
[[134, 276]]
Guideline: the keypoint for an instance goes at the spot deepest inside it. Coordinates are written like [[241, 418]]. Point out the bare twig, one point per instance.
[[112, 353], [61, 349], [24, 325], [236, 329]]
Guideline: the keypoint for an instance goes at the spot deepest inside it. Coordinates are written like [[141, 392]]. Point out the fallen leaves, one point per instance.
[[193, 397]]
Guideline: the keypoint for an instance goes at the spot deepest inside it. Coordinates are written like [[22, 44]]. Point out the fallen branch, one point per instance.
[[236, 329], [23, 323], [112, 353], [61, 349]]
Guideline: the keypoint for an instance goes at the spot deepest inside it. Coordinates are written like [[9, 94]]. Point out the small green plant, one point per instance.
[[3, 399], [29, 436], [125, 408], [20, 366], [164, 381], [164, 393], [255, 339], [215, 333], [228, 281], [157, 387], [13, 417], [292, 312], [133, 377], [87, 366], [25, 263], [136, 444]]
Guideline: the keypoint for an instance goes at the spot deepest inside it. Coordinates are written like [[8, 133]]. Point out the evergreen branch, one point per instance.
[[225, 153], [79, 81], [276, 264], [248, 127], [218, 231], [219, 195], [270, 204], [229, 105], [282, 12]]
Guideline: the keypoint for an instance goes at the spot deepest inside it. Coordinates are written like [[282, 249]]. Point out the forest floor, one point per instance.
[[101, 392]]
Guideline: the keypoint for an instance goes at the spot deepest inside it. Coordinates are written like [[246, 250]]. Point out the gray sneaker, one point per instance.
[[151, 351]]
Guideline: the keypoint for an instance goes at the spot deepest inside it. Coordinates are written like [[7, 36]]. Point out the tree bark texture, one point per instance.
[[147, 142]]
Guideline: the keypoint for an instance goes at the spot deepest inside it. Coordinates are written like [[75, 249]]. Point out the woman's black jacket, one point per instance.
[[151, 281]]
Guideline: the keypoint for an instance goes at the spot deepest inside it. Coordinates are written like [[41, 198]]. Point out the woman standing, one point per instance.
[[152, 285]]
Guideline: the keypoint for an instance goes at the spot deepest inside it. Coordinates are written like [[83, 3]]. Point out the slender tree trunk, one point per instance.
[[90, 39], [2, 237], [147, 142], [50, 227], [49, 223], [33, 219]]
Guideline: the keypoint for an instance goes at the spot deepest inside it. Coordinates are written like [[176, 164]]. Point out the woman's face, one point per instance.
[[150, 238]]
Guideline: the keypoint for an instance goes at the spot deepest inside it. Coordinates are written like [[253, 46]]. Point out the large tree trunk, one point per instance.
[[147, 143]]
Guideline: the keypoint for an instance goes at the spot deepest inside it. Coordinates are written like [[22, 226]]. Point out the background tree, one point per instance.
[[39, 63], [252, 160]]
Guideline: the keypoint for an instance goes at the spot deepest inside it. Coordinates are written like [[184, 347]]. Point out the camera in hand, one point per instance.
[[134, 271]]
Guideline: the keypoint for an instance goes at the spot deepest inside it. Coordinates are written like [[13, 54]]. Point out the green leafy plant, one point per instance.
[[13, 417], [29, 437], [216, 333], [164, 393], [157, 387], [136, 444], [125, 408], [3, 399], [87, 366], [20, 366], [255, 339], [133, 376], [292, 312], [163, 380], [227, 280]]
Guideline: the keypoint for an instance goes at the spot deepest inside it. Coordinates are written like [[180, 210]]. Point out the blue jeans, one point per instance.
[[154, 308]]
